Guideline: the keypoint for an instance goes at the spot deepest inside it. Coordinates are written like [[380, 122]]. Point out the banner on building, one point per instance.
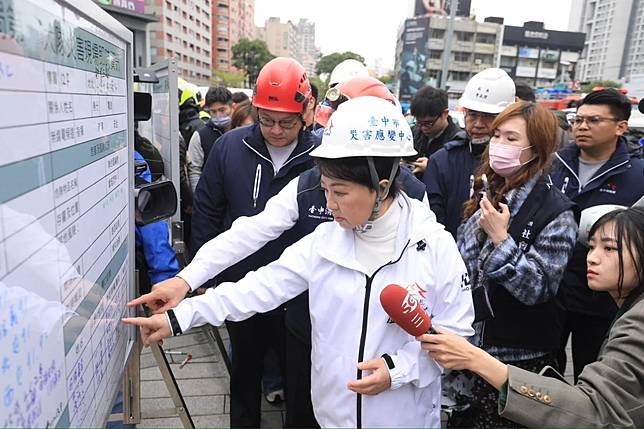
[[439, 7], [137, 6], [413, 60]]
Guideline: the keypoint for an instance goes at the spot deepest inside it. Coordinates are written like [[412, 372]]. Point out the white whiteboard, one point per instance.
[[65, 212]]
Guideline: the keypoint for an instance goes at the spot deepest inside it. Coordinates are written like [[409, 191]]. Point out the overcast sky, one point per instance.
[[369, 27]]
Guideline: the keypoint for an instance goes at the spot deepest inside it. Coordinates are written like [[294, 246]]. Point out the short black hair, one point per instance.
[[218, 94], [617, 102], [525, 92], [314, 90], [356, 169], [240, 96], [428, 101]]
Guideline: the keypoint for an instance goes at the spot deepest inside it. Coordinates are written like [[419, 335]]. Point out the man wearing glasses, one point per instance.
[[450, 172], [597, 170], [246, 167], [433, 128]]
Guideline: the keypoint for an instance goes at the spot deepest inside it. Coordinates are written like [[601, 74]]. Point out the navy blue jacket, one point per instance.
[[449, 180], [619, 181], [237, 180]]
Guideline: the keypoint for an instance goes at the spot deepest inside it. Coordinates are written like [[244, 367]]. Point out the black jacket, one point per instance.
[[427, 148], [621, 182]]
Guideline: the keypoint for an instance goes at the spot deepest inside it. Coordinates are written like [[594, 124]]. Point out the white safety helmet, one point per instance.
[[368, 127], [589, 216], [489, 91], [346, 70]]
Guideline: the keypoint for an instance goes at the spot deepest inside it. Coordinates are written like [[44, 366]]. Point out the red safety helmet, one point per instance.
[[359, 87], [282, 86]]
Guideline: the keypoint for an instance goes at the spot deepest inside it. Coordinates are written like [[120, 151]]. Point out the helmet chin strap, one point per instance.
[[380, 196]]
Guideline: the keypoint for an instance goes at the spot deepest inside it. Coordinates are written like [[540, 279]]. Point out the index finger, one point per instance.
[[145, 322], [143, 299]]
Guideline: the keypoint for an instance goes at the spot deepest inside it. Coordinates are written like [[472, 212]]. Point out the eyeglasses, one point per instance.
[[474, 116], [591, 121], [285, 124], [426, 124]]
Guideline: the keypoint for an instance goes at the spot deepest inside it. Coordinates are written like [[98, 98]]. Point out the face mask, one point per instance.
[[505, 159], [480, 140], [221, 121]]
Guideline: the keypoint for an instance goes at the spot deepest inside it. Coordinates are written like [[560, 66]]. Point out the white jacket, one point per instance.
[[348, 322], [247, 235]]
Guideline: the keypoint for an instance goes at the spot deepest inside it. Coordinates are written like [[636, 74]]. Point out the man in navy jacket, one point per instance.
[[245, 168], [597, 170]]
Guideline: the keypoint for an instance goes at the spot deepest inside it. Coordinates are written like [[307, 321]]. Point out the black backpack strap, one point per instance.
[[544, 203]]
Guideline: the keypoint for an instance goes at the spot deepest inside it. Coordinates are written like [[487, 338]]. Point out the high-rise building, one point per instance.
[[232, 20], [281, 38], [307, 53], [614, 47], [536, 56], [420, 50], [183, 32]]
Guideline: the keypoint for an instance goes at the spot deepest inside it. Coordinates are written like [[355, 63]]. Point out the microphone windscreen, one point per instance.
[[405, 310]]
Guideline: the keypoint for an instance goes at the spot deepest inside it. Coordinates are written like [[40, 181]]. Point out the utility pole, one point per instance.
[[447, 50]]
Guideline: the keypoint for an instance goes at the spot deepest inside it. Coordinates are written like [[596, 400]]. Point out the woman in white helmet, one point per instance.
[[366, 371]]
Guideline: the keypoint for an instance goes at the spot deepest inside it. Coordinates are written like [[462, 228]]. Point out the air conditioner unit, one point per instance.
[[478, 61]]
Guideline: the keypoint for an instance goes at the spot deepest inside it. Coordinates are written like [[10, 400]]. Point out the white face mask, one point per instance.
[[480, 140]]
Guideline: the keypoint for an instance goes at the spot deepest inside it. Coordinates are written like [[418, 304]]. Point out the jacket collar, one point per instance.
[[415, 226], [617, 163], [306, 142]]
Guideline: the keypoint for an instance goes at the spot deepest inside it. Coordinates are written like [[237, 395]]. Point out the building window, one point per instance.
[[508, 61], [168, 37], [459, 75], [464, 36], [463, 56], [485, 38], [484, 58], [168, 22], [434, 54], [436, 33]]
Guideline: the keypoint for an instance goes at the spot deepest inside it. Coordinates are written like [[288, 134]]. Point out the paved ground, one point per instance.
[[204, 384]]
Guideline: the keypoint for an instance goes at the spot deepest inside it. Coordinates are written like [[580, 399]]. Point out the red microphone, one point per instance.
[[405, 310]]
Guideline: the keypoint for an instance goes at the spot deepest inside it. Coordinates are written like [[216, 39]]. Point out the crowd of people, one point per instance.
[[301, 208]]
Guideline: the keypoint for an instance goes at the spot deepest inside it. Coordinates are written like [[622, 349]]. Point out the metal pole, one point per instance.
[[447, 50]]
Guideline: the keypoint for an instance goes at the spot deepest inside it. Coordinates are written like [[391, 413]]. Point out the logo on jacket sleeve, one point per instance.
[[319, 213]]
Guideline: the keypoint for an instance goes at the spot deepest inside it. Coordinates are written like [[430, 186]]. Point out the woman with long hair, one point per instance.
[[609, 392], [516, 240]]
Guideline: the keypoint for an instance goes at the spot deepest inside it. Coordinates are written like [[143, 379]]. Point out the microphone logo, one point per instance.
[[409, 304]]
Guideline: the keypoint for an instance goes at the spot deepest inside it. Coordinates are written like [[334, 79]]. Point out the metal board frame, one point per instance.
[[96, 15]]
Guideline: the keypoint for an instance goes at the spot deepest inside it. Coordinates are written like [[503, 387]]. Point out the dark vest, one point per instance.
[[208, 135], [515, 324], [312, 208]]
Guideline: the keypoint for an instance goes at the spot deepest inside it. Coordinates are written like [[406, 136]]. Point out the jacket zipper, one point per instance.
[[579, 189], [363, 334], [257, 183], [271, 162]]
